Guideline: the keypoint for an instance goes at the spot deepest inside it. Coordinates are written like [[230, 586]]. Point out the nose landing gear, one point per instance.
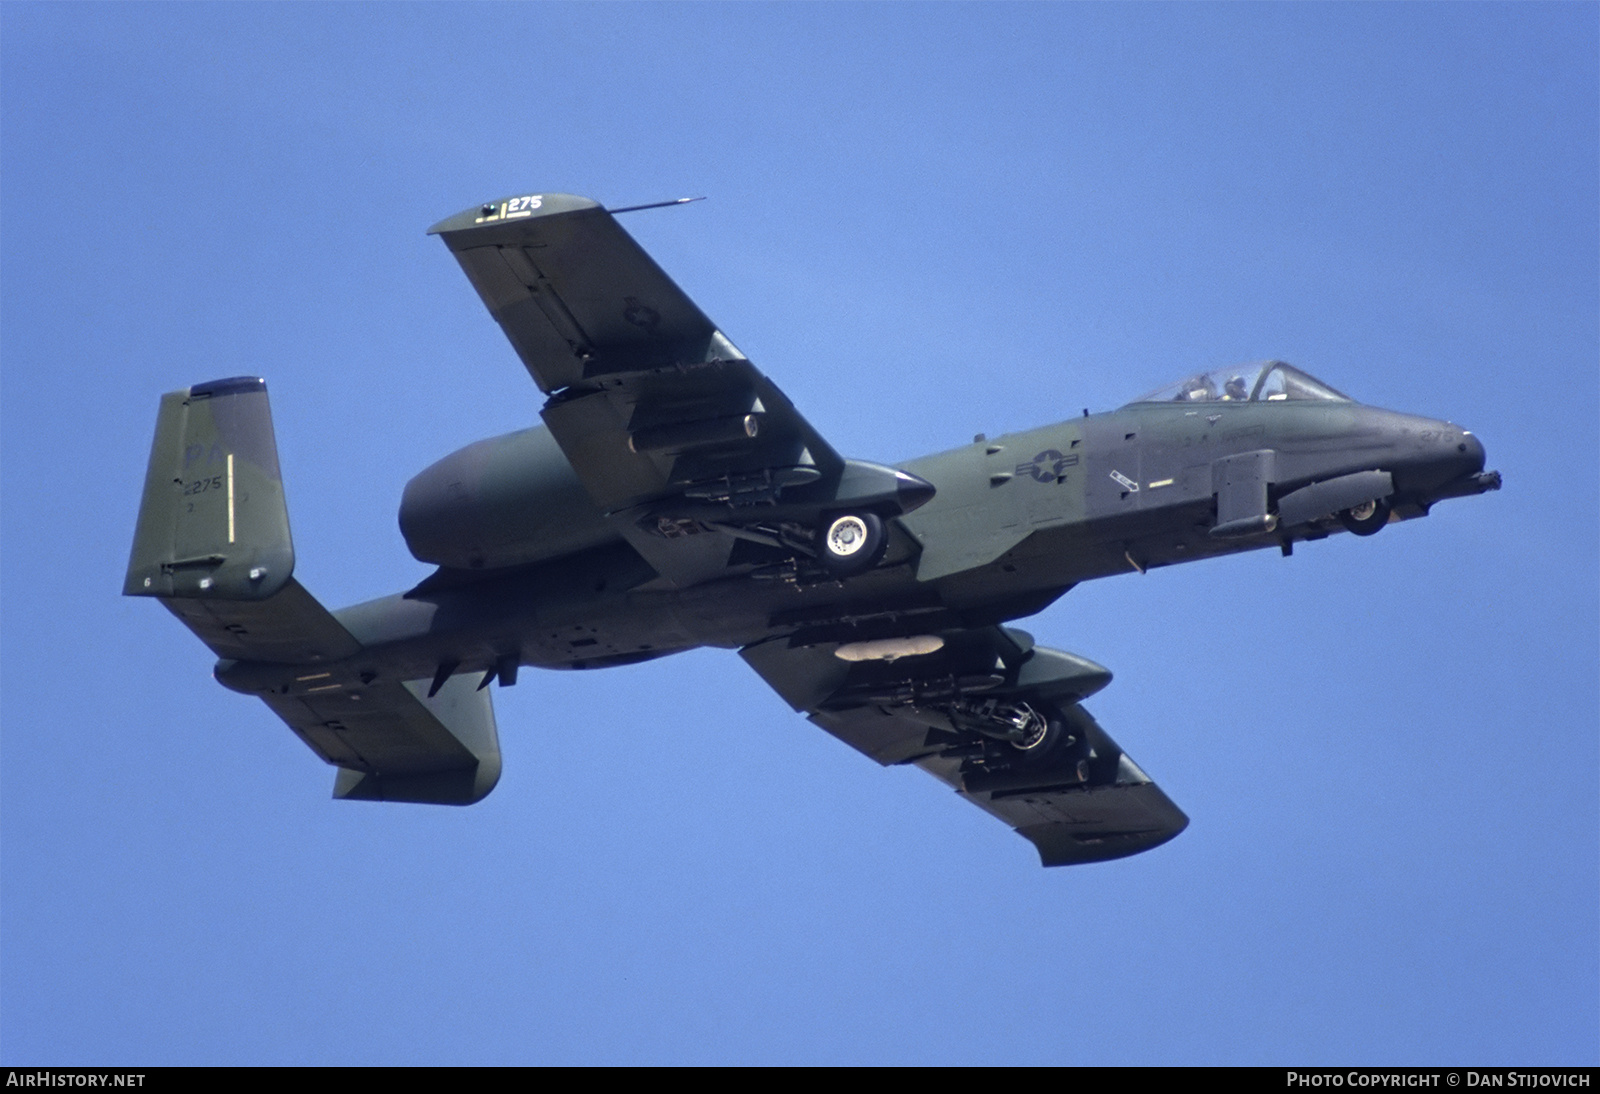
[[1367, 518]]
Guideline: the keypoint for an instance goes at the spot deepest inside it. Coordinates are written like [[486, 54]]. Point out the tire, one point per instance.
[[851, 543], [1368, 519], [1058, 757], [1042, 743]]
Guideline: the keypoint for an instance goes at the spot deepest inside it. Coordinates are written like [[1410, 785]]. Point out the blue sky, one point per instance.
[[924, 222]]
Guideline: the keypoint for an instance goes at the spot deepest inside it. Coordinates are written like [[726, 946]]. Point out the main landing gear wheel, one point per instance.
[[1049, 747], [1041, 737], [1366, 519], [851, 543]]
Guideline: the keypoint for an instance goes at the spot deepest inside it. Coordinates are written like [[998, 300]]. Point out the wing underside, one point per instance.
[[660, 415], [996, 719], [649, 397]]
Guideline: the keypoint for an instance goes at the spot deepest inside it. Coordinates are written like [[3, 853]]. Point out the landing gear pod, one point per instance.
[[851, 543]]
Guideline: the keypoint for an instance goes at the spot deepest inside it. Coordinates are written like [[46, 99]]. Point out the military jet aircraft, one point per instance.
[[674, 498]]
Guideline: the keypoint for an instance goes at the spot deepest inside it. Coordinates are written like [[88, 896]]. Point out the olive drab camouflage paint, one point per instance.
[[673, 498]]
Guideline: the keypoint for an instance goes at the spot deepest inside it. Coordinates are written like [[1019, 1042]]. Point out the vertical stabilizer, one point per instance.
[[212, 522]]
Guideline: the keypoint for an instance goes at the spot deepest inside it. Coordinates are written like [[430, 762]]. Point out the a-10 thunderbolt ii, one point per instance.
[[674, 498]]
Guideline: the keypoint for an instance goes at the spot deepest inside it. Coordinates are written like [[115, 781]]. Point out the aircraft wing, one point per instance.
[[1077, 797], [650, 402]]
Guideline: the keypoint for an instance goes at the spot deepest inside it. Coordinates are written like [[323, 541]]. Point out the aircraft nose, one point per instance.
[[1448, 462], [1459, 452], [1432, 455], [1465, 462]]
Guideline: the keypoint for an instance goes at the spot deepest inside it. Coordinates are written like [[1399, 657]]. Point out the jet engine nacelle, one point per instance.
[[505, 501]]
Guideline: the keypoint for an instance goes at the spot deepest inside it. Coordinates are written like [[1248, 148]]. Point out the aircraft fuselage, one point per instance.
[[1016, 521]]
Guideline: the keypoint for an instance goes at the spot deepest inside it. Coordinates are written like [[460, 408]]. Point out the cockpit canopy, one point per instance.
[[1264, 382]]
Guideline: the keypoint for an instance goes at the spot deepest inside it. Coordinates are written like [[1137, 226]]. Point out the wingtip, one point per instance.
[[509, 210]]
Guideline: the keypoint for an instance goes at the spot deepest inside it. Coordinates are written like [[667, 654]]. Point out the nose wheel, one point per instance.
[[851, 543], [1367, 518]]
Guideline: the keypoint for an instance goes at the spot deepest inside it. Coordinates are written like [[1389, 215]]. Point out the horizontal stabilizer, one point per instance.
[[289, 627], [392, 742], [390, 738]]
